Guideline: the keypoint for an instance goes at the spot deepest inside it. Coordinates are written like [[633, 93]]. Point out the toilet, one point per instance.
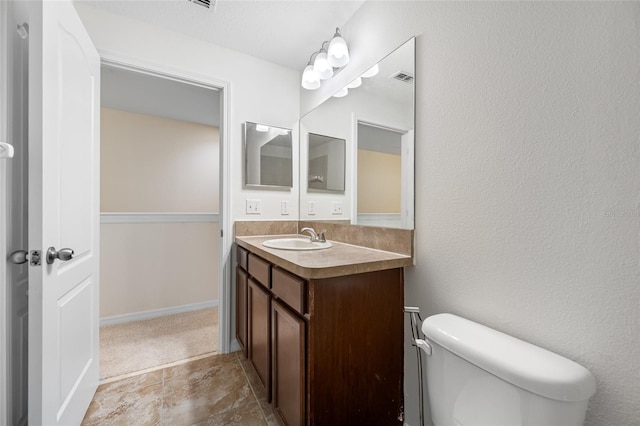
[[480, 376]]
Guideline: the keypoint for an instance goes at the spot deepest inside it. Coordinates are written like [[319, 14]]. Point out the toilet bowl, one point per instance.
[[480, 376]]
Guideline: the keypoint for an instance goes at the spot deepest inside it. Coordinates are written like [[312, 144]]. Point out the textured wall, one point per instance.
[[527, 176]]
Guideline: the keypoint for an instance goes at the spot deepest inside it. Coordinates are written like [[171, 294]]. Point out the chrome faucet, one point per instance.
[[315, 238]]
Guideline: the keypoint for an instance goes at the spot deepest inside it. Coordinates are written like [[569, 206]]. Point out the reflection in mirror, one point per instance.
[[268, 159], [379, 181], [326, 163], [376, 121]]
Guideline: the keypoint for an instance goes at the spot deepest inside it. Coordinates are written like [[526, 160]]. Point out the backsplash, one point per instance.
[[387, 239]]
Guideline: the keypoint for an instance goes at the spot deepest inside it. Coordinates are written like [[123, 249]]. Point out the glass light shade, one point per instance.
[[355, 83], [262, 128], [322, 67], [371, 71], [338, 53], [341, 93], [310, 79]]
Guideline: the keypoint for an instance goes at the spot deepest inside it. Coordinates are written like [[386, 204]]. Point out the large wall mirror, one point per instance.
[[375, 121], [268, 156]]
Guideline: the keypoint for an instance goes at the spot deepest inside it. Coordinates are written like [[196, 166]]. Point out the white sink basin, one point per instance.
[[295, 244]]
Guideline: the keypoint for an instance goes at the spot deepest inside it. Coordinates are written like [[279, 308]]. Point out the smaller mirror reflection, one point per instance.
[[326, 163], [268, 155]]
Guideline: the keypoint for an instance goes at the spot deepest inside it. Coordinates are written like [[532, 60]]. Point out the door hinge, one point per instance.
[[221, 234]]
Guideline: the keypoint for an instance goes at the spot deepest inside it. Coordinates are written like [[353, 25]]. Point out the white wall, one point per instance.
[[260, 91], [527, 175], [153, 266]]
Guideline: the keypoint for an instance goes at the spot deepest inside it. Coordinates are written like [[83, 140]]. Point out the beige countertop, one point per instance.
[[339, 260]]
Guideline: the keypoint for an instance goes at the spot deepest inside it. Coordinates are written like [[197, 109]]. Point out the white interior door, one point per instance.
[[64, 99]]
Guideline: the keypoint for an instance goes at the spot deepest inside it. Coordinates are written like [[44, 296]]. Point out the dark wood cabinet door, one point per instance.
[[259, 331], [289, 343], [241, 308]]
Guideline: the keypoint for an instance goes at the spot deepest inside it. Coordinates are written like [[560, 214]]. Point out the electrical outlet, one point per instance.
[[284, 207], [311, 208], [336, 207], [254, 207]]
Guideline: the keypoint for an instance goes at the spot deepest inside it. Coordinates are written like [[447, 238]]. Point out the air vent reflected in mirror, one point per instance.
[[403, 76], [209, 4]]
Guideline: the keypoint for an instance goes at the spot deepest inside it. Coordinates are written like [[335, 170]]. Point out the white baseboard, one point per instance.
[[235, 346], [154, 313]]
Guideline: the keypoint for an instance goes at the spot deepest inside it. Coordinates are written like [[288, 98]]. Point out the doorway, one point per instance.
[[13, 204], [383, 184], [160, 192]]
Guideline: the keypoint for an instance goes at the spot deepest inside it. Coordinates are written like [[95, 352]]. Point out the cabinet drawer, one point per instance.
[[290, 289], [260, 270], [242, 256]]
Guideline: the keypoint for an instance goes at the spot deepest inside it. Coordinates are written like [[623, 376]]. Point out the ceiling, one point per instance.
[[147, 94], [285, 32]]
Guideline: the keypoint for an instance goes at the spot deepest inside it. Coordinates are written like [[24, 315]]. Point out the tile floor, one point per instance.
[[214, 390]]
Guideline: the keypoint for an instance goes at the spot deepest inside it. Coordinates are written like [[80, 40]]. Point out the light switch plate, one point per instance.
[[254, 207], [336, 208], [311, 208], [284, 207]]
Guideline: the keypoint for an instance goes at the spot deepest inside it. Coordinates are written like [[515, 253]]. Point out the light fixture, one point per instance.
[[322, 64], [341, 93], [262, 128], [338, 53], [371, 71], [355, 83], [310, 78]]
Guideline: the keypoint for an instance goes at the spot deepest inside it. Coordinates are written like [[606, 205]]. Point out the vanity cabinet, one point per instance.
[[289, 346], [329, 351], [242, 284], [259, 331]]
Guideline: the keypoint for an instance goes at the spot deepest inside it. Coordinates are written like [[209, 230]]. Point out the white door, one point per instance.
[[64, 153]]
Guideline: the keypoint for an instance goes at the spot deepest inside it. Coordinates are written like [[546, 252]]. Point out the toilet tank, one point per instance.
[[480, 376]]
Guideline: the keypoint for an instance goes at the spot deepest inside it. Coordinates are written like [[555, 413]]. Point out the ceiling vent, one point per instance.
[[208, 4], [403, 76]]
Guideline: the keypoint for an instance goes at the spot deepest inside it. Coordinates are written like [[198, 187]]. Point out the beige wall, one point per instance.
[[155, 164], [147, 266], [379, 182]]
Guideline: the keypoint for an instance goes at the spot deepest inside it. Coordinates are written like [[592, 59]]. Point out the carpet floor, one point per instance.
[[142, 345]]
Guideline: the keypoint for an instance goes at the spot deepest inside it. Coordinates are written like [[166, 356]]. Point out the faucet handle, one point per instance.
[[321, 236]]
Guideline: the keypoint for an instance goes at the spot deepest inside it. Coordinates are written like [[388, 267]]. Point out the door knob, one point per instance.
[[62, 254], [18, 257]]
